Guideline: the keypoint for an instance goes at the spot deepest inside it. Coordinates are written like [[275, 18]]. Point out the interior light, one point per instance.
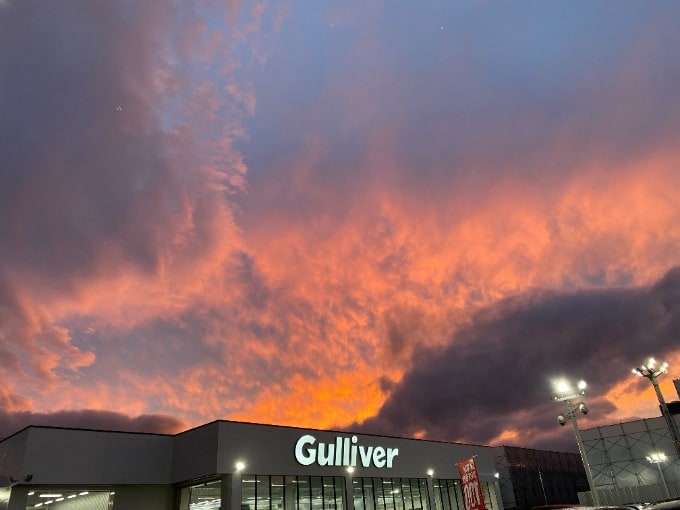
[[31, 493], [72, 496], [49, 496], [83, 493]]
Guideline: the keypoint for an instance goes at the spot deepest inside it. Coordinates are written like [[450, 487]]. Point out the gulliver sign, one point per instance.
[[343, 452]]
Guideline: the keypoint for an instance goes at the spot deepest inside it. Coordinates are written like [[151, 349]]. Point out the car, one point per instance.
[[671, 504]]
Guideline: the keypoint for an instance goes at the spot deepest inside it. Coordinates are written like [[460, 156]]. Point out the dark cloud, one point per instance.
[[98, 175], [495, 374], [91, 419]]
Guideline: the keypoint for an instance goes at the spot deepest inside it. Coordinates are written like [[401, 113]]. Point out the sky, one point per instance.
[[393, 217]]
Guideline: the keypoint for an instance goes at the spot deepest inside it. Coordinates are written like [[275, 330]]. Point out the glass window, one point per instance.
[[292, 493], [262, 493], [358, 494], [248, 484], [406, 493], [425, 502], [304, 499], [390, 494], [398, 494], [72, 498], [317, 493], [415, 494], [277, 493], [378, 494], [369, 499], [340, 493]]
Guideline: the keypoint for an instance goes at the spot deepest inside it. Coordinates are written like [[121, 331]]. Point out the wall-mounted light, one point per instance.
[[430, 472], [350, 469], [240, 466]]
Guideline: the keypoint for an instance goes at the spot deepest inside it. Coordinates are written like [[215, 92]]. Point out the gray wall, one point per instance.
[[12, 456], [84, 457], [143, 498], [194, 453], [267, 449]]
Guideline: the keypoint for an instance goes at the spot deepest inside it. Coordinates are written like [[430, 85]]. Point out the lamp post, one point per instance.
[[572, 398], [658, 458], [651, 372]]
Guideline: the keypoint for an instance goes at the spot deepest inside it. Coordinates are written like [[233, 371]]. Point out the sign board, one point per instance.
[[472, 488], [344, 451]]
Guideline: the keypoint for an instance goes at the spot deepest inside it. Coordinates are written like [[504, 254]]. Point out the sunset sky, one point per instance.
[[393, 217]]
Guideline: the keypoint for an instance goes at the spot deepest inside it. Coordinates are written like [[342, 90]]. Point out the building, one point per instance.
[[235, 466], [619, 459], [530, 478]]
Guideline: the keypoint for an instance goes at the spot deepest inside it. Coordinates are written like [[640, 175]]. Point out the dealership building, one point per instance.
[[236, 466]]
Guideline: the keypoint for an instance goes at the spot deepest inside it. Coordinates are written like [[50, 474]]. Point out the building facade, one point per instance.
[[235, 466], [618, 458], [529, 478]]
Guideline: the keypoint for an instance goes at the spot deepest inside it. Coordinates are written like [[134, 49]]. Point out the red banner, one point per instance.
[[472, 488]]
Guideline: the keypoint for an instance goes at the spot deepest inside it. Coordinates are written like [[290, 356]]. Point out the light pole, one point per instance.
[[657, 458], [651, 372], [572, 398]]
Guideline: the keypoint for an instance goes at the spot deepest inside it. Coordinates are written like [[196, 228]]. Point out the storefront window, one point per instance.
[[205, 496], [390, 494], [449, 495], [57, 499], [292, 493]]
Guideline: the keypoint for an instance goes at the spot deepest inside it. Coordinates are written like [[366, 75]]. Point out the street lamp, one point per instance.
[[651, 371], [564, 392], [658, 458]]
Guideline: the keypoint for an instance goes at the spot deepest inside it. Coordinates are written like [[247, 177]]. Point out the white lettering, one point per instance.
[[308, 456], [391, 454], [379, 456], [342, 452], [345, 452], [365, 455], [326, 458]]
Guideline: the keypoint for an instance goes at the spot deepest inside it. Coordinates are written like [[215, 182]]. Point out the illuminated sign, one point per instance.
[[344, 451]]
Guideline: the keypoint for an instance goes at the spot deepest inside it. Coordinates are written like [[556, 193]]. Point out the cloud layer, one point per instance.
[[489, 383], [336, 215]]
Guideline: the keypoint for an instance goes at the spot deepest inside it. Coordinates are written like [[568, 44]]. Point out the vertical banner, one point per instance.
[[472, 488]]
